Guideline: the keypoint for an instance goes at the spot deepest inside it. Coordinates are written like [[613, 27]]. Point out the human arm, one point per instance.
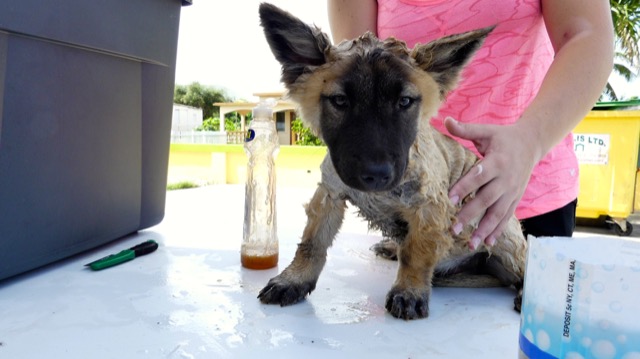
[[582, 37], [349, 19]]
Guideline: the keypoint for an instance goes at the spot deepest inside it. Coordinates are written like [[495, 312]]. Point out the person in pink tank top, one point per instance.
[[535, 78]]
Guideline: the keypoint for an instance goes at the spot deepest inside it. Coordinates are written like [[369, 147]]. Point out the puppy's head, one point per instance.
[[364, 97]]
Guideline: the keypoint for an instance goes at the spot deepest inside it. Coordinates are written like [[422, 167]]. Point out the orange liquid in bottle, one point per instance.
[[259, 262]]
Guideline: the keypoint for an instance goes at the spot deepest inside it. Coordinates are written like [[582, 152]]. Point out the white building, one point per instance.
[[284, 114], [185, 118]]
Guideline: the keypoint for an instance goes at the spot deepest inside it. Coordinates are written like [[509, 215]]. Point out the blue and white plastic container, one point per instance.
[[581, 299]]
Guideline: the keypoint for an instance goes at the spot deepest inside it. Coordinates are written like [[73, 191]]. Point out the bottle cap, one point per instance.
[[264, 109]]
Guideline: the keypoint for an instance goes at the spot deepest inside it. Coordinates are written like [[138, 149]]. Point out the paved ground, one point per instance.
[[602, 229]]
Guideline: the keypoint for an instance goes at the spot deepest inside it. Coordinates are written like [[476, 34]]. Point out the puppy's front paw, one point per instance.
[[282, 291], [408, 303]]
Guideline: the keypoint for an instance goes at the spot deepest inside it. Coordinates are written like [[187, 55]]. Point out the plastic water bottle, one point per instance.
[[260, 242]]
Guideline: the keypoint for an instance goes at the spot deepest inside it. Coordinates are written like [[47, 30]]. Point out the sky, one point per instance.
[[221, 44]]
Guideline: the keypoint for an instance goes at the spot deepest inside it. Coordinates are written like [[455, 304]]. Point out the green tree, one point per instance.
[[624, 70], [213, 124], [626, 23], [304, 136], [209, 124], [232, 121], [197, 95]]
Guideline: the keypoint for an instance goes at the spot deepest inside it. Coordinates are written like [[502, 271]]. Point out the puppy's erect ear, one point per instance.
[[444, 58], [295, 45]]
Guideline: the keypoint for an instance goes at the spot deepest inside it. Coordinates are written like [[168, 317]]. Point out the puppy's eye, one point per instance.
[[339, 101], [405, 102]]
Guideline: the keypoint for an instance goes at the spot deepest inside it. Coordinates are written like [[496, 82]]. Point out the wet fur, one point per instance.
[[371, 101]]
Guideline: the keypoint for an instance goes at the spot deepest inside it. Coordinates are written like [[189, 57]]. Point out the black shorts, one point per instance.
[[560, 222]]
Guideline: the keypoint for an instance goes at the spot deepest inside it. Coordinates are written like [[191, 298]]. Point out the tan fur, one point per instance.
[[425, 246]]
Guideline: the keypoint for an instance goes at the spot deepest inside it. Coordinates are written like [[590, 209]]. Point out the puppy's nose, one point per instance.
[[376, 176]]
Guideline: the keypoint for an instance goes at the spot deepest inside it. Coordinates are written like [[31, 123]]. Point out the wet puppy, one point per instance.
[[370, 100]]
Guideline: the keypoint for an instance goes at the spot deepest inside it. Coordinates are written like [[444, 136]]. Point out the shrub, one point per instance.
[[213, 124], [303, 135], [181, 185]]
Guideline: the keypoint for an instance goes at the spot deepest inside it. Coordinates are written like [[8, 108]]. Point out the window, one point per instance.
[[280, 121]]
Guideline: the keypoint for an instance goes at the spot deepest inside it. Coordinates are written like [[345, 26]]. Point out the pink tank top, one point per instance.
[[499, 83]]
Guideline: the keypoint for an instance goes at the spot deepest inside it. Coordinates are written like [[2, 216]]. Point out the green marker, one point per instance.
[[124, 256]]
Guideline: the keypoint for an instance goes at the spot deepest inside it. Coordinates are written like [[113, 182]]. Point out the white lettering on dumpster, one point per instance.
[[591, 149]]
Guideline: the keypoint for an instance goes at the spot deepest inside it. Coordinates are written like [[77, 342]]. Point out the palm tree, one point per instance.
[[626, 23], [623, 69]]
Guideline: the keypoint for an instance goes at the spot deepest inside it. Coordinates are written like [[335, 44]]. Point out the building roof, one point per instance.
[[281, 105]]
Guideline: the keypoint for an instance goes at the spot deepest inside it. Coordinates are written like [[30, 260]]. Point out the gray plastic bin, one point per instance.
[[86, 93]]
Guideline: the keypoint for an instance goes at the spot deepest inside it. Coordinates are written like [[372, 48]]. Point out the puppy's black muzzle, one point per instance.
[[376, 176]]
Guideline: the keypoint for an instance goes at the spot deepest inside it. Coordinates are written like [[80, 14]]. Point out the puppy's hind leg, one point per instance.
[[325, 214], [386, 248], [510, 251], [495, 267]]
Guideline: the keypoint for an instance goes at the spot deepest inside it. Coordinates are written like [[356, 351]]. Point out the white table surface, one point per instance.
[[192, 299]]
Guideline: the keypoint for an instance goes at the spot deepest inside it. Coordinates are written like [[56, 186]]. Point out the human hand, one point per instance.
[[498, 180]]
